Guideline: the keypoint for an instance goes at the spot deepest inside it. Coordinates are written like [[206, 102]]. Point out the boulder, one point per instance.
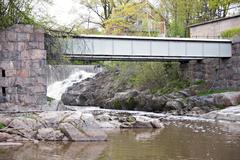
[[25, 126], [142, 122], [228, 114], [53, 118], [227, 98], [174, 105], [49, 134], [79, 134], [156, 123], [4, 137]]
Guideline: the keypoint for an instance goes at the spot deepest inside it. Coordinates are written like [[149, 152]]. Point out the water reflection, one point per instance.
[[54, 151], [179, 141]]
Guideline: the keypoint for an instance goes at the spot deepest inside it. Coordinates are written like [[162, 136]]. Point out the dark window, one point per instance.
[[3, 73], [4, 91]]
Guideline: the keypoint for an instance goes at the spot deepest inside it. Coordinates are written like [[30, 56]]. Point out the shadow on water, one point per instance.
[[178, 141]]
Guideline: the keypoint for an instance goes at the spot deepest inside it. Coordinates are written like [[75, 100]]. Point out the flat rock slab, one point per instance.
[[10, 144], [228, 114]]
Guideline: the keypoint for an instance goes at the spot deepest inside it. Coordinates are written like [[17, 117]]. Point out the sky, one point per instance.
[[66, 12]]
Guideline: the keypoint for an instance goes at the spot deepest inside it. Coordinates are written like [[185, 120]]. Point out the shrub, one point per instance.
[[2, 125], [230, 33]]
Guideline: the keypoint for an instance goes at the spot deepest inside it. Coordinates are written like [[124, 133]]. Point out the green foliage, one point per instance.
[[156, 77], [56, 48], [117, 104], [2, 125], [82, 62], [182, 13], [220, 106], [230, 33], [212, 91], [50, 99], [130, 103], [15, 11], [199, 82]]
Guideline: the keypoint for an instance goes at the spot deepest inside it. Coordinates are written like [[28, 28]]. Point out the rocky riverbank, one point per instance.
[[69, 125], [91, 123], [103, 90]]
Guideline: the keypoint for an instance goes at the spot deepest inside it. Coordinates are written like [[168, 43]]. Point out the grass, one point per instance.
[[212, 91], [2, 125], [230, 33], [50, 99]]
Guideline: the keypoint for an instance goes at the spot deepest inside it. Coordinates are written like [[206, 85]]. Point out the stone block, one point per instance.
[[33, 45], [24, 73], [38, 88], [39, 30], [24, 55], [11, 36], [11, 73], [11, 90], [27, 99], [27, 28], [8, 46], [21, 28], [37, 54], [7, 65], [37, 37], [21, 46], [2, 36], [23, 37]]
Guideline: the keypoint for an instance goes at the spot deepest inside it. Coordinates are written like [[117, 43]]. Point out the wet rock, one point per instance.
[[228, 114], [54, 105], [104, 118], [76, 134], [49, 134], [156, 123], [142, 122]]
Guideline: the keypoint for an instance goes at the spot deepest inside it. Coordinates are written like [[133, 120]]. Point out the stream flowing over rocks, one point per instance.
[[102, 90], [118, 107]]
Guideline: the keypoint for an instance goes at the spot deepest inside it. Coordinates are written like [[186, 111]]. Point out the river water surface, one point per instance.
[[177, 141]]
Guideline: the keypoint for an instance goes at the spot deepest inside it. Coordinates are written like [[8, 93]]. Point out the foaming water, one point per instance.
[[56, 89]]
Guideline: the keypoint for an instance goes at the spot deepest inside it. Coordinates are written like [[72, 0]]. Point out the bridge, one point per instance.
[[99, 47]]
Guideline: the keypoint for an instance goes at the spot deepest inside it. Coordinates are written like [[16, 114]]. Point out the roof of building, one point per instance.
[[213, 21]]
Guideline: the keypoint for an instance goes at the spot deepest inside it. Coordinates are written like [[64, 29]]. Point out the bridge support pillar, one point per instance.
[[220, 73]]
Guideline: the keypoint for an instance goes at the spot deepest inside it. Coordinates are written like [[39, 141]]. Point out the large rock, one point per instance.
[[25, 126], [82, 134], [4, 137], [228, 114], [49, 134]]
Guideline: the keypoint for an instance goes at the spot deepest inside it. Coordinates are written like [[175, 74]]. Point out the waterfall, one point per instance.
[[56, 88]]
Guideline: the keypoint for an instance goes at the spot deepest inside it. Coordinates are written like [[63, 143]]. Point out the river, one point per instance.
[[187, 140], [177, 141]]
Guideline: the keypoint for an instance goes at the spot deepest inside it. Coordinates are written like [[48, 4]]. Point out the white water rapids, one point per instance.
[[56, 89]]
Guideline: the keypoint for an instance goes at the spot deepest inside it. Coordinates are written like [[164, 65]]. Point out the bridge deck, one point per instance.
[[93, 47]]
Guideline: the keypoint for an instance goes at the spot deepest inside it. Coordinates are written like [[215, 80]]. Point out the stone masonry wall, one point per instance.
[[23, 81], [213, 29], [219, 73]]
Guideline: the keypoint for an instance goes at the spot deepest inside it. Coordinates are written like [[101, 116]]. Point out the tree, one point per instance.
[[181, 13], [135, 19], [102, 9], [17, 11]]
